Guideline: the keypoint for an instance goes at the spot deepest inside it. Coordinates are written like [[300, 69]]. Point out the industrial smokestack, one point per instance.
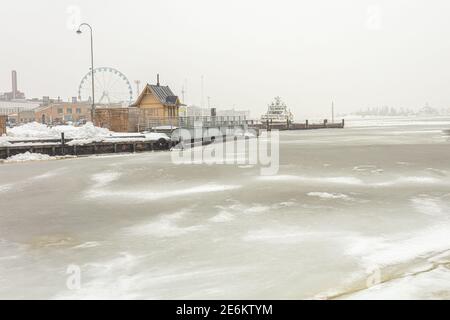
[[14, 84]]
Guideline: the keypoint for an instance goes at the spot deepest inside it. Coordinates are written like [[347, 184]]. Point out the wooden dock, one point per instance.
[[59, 147], [62, 147], [298, 126]]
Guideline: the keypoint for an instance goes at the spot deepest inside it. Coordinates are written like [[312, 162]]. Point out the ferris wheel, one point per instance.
[[110, 87]]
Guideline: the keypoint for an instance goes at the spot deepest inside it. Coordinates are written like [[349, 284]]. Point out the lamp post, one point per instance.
[[92, 67]]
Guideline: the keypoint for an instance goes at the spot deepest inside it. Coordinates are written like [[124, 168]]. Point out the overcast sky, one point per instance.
[[358, 53]]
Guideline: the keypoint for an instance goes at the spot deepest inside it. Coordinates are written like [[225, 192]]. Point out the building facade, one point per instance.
[[23, 116], [13, 107], [63, 112]]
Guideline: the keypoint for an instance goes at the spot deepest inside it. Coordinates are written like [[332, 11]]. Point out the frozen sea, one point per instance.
[[358, 213]]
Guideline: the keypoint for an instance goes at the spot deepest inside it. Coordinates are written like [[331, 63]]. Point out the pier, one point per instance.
[[62, 147], [189, 130], [307, 125]]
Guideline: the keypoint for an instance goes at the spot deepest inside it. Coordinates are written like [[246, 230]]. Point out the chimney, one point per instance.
[[157, 79], [14, 84]]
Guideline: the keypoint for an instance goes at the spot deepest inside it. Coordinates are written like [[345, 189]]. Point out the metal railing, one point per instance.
[[189, 122]]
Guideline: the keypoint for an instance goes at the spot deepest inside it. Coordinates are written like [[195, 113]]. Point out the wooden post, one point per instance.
[[62, 143], [343, 123], [3, 120], [306, 124]]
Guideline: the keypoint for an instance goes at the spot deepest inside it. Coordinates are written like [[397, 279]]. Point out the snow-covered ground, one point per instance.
[[87, 133]]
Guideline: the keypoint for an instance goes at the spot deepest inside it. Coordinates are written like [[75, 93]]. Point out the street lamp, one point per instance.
[[92, 67]]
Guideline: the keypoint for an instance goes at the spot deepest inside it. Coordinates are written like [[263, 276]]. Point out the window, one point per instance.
[[60, 110], [69, 110], [78, 110]]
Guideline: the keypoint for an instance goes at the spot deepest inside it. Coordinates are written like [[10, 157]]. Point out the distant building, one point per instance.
[[63, 112], [194, 111], [14, 107], [233, 113], [15, 94], [23, 116], [428, 111]]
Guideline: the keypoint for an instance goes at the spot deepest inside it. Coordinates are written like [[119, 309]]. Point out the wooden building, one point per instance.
[[156, 106], [158, 101]]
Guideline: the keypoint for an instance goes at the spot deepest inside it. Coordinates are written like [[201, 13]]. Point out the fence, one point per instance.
[[3, 124], [190, 122]]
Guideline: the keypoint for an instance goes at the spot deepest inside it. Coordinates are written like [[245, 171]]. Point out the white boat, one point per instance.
[[277, 111]]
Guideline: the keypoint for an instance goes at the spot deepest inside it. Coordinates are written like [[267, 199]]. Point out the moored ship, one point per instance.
[[277, 111]]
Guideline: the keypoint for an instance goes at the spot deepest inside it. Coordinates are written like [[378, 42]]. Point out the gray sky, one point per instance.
[[357, 52]]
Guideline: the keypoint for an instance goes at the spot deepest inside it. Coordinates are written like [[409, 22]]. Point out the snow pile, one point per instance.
[[4, 142], [118, 137], [28, 156], [156, 136], [41, 131], [87, 133]]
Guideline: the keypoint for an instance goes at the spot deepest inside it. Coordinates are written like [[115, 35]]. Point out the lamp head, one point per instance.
[[79, 31]]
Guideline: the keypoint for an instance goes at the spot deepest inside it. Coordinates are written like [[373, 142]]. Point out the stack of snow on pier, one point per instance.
[[81, 135]]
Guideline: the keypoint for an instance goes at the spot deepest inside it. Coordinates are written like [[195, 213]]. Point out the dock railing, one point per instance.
[[190, 122]]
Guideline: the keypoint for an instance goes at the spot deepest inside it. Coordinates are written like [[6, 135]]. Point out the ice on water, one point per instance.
[[348, 206]]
